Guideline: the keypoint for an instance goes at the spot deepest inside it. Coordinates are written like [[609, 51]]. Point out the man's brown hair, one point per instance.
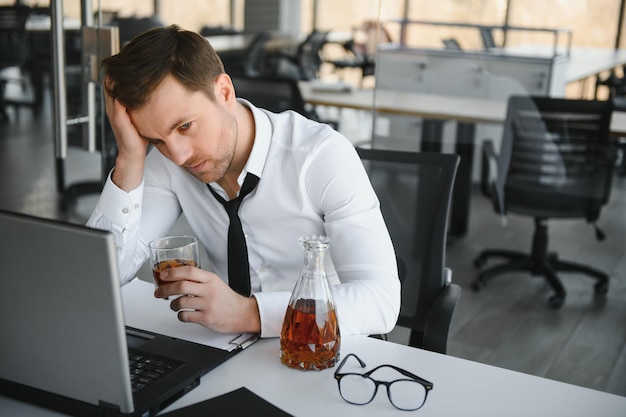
[[134, 73]]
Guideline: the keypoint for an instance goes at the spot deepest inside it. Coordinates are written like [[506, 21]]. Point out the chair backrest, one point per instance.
[[248, 61], [414, 189], [14, 46], [254, 58], [271, 93], [557, 158], [309, 55]]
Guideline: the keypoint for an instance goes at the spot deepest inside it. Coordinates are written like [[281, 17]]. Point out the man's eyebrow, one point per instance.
[[178, 122]]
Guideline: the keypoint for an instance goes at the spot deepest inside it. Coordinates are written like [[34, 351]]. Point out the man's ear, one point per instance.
[[224, 89]]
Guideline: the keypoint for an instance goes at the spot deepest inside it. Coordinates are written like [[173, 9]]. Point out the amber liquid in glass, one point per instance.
[[306, 345], [167, 264]]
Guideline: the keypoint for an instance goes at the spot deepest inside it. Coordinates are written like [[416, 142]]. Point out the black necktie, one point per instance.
[[238, 266]]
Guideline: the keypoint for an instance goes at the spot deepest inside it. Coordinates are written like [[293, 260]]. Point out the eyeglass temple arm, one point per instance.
[[427, 384], [344, 361]]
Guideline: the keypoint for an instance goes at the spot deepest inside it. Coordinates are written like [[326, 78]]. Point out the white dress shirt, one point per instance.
[[311, 182]]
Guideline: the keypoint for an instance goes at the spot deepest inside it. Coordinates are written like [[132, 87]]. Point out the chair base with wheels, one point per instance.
[[539, 262]]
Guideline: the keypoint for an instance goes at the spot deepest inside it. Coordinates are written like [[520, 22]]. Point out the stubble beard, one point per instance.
[[218, 168]]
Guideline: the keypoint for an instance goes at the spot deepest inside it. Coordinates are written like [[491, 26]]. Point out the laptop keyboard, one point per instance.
[[145, 370]]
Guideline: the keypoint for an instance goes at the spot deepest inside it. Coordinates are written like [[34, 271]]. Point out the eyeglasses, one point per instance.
[[360, 389]]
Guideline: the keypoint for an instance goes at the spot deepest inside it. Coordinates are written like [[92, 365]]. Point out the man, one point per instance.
[[168, 88]]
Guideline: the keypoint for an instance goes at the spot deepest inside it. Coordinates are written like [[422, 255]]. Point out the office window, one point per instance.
[[593, 22], [194, 14]]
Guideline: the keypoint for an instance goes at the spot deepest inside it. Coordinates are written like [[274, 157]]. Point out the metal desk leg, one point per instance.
[[432, 135], [459, 216]]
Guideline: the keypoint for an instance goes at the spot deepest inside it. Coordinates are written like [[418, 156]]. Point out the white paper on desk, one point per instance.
[[145, 312]]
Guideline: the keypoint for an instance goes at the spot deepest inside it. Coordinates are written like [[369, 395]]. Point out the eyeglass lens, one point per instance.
[[404, 394]]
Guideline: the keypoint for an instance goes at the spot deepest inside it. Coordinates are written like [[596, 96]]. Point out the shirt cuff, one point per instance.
[[272, 308], [121, 208]]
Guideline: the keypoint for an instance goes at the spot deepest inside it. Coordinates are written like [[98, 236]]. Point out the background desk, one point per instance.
[[461, 387], [435, 109]]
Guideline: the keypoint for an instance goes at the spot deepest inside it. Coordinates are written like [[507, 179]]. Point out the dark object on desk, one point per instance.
[[14, 51], [207, 31], [556, 161], [415, 189], [240, 403], [362, 48], [452, 44]]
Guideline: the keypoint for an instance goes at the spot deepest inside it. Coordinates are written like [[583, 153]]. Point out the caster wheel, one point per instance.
[[478, 285], [556, 301], [601, 287], [479, 262]]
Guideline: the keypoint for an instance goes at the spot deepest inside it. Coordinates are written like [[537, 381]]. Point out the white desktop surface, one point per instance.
[[429, 106], [461, 387]]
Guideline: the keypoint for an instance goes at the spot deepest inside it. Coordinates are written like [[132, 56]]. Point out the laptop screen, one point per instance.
[[61, 315]]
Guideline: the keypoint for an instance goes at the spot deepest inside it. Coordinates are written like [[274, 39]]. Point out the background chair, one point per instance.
[[14, 51], [362, 48], [307, 60], [251, 62], [414, 189], [274, 94], [556, 161]]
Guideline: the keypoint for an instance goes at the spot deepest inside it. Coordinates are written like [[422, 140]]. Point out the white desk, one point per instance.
[[427, 106], [461, 387]]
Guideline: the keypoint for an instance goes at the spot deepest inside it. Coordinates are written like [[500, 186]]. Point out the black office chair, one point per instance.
[[251, 61], [556, 162], [360, 51], [414, 189], [307, 60], [14, 51], [276, 94]]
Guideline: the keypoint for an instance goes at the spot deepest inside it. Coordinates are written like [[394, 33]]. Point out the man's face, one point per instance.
[[189, 129]]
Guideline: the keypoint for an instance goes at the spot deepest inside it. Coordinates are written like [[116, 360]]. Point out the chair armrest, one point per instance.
[[439, 318]]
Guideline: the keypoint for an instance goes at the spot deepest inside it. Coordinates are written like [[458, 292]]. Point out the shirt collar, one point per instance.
[[262, 140]]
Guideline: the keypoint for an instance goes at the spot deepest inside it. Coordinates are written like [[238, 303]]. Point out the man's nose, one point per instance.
[[180, 152]]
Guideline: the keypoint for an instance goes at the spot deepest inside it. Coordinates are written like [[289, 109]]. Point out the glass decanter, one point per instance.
[[310, 338]]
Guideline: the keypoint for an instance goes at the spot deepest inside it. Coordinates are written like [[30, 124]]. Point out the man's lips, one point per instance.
[[197, 167]]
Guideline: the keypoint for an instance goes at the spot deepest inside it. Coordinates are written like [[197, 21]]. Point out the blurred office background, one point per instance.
[[509, 324]]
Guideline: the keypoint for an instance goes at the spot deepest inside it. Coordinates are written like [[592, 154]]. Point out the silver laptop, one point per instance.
[[64, 344]]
